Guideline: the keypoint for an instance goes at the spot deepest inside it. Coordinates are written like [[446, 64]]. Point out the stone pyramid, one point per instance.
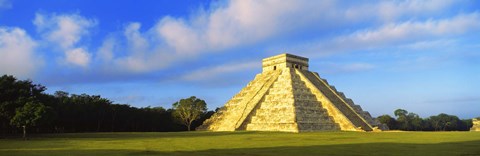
[[476, 124], [286, 96]]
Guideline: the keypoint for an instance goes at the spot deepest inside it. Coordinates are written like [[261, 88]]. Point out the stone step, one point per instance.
[[307, 103], [318, 127], [330, 93], [305, 96], [349, 101], [270, 119], [300, 95], [275, 104], [275, 110], [300, 110], [280, 101], [314, 119], [284, 96], [273, 95], [280, 91], [285, 127]]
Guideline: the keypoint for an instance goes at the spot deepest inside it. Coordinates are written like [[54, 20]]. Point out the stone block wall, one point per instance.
[[476, 124]]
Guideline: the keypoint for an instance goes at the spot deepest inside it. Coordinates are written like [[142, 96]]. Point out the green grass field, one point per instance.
[[247, 143]]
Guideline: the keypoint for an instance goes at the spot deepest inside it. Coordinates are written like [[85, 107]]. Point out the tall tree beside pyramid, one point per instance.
[[286, 96]]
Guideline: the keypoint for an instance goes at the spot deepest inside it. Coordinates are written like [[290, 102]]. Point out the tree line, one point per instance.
[[408, 121], [24, 106]]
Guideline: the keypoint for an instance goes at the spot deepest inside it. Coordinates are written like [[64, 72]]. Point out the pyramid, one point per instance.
[[288, 97], [476, 124]]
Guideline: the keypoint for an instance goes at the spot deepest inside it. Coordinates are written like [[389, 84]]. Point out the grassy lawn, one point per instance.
[[247, 143]]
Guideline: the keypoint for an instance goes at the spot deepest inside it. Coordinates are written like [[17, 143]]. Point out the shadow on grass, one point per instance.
[[135, 135], [470, 148]]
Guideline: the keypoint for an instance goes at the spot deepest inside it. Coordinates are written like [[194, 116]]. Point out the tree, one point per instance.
[[400, 112], [76, 113], [31, 114], [445, 122], [415, 122], [13, 95], [402, 120], [388, 120], [188, 110]]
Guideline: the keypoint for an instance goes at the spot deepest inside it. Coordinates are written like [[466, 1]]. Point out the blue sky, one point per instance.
[[422, 56]]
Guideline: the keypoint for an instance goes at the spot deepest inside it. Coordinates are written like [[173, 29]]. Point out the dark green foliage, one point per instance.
[[412, 122], [188, 110], [86, 113], [23, 103], [14, 95], [31, 114], [388, 120]]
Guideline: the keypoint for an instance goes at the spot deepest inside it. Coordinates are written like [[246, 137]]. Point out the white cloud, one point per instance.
[[153, 60], [409, 30], [179, 36], [431, 44], [17, 51], [142, 52], [137, 42], [414, 30], [129, 52], [105, 52], [238, 23], [243, 22], [403, 33], [390, 11], [66, 30], [207, 73], [78, 56]]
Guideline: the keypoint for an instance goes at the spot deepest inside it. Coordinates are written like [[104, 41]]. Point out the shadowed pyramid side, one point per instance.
[[343, 111], [310, 112]]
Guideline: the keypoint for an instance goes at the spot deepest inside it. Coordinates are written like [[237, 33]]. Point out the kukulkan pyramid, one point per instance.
[[286, 96], [476, 124]]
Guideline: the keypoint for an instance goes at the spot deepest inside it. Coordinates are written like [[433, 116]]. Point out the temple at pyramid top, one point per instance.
[[288, 97], [283, 61]]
